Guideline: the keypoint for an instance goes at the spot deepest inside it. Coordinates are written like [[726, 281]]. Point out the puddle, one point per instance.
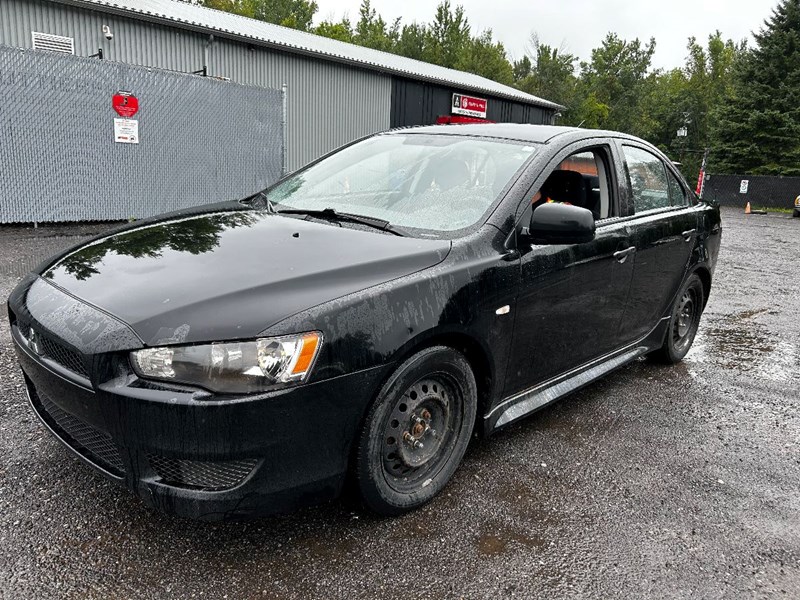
[[501, 539], [738, 343]]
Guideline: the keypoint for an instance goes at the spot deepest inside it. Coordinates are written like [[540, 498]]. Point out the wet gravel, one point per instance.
[[656, 482]]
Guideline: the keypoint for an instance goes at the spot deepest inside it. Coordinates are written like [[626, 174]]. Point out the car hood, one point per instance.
[[230, 275]]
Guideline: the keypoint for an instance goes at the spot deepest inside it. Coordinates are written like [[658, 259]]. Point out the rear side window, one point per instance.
[[677, 196], [648, 177]]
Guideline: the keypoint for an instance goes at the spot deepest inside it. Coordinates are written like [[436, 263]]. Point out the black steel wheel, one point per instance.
[[417, 431], [684, 322]]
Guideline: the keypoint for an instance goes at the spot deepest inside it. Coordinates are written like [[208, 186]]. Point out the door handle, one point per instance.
[[687, 235], [623, 255]]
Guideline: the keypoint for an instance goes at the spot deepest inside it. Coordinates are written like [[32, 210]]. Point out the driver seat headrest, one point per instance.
[[565, 186]]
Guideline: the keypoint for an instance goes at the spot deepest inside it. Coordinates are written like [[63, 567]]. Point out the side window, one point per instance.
[[581, 179], [648, 177], [677, 196]]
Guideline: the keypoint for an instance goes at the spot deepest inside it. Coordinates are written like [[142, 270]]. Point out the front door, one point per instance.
[[572, 297]]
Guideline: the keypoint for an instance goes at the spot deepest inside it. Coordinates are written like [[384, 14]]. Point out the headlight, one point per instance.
[[234, 368]]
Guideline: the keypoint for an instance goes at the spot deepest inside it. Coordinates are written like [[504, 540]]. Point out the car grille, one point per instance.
[[58, 353], [203, 475], [95, 445]]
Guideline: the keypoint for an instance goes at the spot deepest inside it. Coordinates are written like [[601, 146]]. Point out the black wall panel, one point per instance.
[[418, 103], [763, 190]]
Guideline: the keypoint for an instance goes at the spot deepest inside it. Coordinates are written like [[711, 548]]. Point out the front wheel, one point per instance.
[[417, 431], [683, 323]]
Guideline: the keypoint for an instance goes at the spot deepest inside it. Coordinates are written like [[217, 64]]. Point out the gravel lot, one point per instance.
[[656, 482]]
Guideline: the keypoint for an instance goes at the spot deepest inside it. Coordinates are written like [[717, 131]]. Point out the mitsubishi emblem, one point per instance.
[[33, 342]]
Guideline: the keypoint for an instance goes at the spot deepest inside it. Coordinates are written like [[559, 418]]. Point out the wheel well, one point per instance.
[[476, 357], [705, 278]]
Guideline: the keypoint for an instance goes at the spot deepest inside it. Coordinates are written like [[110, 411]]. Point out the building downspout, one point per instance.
[[283, 129]]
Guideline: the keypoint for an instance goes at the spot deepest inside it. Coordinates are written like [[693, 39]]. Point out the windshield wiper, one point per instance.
[[259, 201], [332, 213]]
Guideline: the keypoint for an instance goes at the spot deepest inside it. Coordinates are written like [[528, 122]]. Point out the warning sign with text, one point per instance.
[[126, 131]]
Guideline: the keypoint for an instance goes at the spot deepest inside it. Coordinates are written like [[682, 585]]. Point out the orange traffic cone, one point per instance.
[[747, 210]]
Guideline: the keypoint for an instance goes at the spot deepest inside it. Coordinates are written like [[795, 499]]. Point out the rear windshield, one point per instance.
[[431, 182]]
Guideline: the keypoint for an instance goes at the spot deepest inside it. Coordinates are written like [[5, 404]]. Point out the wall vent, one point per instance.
[[54, 43]]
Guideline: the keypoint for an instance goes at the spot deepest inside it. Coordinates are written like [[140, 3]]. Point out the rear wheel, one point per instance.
[[417, 431], [683, 323]]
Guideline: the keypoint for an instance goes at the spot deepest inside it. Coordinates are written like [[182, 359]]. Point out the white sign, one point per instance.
[[126, 131], [469, 105], [743, 186]]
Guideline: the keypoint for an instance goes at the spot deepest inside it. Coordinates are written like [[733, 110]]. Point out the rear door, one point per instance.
[[572, 297], [663, 230]]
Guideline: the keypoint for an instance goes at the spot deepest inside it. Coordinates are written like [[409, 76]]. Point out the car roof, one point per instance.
[[538, 134]]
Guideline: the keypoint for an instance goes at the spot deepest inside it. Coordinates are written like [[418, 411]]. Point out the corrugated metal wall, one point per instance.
[[327, 104]]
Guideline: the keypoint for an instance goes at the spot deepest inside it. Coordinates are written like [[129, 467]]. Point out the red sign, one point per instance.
[[468, 105], [125, 103]]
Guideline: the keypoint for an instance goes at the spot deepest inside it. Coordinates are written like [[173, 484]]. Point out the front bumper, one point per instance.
[[210, 459]]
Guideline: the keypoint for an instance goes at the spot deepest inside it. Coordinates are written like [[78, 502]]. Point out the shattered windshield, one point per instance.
[[432, 182]]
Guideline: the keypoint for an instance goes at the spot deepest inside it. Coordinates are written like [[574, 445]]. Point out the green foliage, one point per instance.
[[413, 41], [741, 102], [341, 31], [373, 32], [756, 128], [617, 76], [487, 58], [592, 112], [448, 36], [551, 74], [296, 14]]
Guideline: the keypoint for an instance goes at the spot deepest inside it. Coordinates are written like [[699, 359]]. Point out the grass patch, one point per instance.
[[772, 209]]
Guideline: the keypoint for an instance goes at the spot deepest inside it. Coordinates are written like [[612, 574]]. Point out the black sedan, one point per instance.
[[358, 320]]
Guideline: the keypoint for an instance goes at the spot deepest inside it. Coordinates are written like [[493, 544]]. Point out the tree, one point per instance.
[[666, 108], [709, 74], [372, 31], [448, 35], [548, 73], [617, 77], [296, 14], [414, 41], [742, 103], [757, 126], [486, 58], [341, 31]]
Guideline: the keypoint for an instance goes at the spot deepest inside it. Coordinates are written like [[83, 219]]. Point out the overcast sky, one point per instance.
[[581, 24]]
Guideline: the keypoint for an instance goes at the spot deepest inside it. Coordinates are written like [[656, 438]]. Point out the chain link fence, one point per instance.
[[199, 139], [760, 190]]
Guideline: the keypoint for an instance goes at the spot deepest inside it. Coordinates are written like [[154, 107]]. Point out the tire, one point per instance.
[[796, 213], [683, 323], [416, 432]]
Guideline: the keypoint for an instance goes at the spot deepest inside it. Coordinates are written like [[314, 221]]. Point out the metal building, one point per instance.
[[335, 92]]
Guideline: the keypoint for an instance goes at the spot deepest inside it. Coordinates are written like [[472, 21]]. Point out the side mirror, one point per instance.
[[556, 223]]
